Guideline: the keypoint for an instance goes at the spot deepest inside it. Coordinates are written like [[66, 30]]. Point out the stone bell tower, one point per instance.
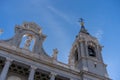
[[86, 56]]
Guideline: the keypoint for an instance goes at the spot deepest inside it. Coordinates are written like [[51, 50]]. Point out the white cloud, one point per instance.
[[99, 35]]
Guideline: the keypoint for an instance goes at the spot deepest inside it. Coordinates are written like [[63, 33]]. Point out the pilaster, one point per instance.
[[5, 69], [53, 75], [32, 72]]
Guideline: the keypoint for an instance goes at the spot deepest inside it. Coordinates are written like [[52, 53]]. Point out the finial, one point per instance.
[[81, 21], [1, 31], [83, 30]]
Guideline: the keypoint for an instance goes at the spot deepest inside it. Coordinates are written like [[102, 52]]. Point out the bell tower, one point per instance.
[[86, 56]]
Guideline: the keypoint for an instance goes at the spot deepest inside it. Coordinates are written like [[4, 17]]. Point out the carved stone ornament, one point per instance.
[[32, 26], [92, 44], [28, 41]]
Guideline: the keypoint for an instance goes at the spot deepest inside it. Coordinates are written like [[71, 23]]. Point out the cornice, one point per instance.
[[18, 52], [94, 75], [93, 59]]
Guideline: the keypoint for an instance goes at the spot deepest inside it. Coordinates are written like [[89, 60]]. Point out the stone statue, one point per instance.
[[1, 31], [27, 42], [55, 52]]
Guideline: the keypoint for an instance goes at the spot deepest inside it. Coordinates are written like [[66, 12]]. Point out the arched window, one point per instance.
[[91, 51], [76, 55], [23, 41]]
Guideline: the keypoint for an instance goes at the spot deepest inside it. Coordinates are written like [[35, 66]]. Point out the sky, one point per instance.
[[59, 21]]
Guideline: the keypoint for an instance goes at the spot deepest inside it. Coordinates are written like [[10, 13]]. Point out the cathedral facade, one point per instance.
[[23, 58]]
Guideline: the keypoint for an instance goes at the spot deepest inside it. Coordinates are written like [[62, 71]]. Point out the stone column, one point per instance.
[[85, 53], [99, 53], [5, 69], [79, 51], [32, 72], [82, 49], [52, 76], [86, 48], [71, 79]]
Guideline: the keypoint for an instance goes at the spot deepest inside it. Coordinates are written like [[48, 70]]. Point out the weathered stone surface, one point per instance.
[[36, 64]]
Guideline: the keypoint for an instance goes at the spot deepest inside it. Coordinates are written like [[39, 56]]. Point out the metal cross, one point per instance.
[[81, 21]]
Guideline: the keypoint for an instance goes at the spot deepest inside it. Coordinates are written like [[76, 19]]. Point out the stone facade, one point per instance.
[[23, 57]]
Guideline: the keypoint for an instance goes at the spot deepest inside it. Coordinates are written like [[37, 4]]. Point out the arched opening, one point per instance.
[[27, 42], [76, 55], [14, 78], [91, 51]]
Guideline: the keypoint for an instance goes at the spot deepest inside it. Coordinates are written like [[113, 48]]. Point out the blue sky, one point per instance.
[[59, 21]]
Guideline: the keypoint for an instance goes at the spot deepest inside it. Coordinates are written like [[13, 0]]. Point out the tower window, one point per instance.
[[76, 55], [91, 52]]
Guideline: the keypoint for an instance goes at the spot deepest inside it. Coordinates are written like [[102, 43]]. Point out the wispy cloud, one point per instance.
[[60, 14], [99, 35]]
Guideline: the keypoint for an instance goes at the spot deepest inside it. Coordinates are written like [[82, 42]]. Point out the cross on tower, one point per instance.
[[81, 21]]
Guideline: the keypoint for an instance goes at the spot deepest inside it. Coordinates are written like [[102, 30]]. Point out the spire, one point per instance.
[[83, 30]]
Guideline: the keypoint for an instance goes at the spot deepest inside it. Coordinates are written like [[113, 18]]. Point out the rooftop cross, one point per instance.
[[81, 21], [82, 26]]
